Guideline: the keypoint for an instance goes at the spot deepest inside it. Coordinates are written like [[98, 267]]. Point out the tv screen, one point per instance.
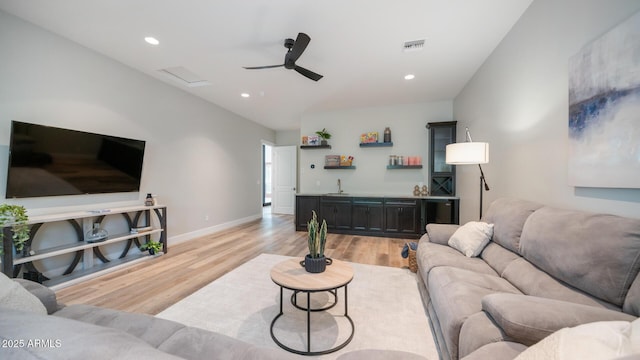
[[50, 161]]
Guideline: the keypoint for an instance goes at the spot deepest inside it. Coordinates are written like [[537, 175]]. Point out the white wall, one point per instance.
[[201, 160], [518, 102], [408, 133], [287, 137]]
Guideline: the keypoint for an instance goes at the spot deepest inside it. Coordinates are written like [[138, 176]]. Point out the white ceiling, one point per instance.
[[355, 44]]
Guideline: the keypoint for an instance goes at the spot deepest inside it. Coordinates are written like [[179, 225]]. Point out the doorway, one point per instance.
[[267, 171]]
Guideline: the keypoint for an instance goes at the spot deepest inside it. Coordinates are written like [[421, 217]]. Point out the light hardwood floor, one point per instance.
[[152, 286]]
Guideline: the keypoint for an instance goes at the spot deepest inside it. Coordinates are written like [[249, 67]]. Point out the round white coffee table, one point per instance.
[[289, 274]]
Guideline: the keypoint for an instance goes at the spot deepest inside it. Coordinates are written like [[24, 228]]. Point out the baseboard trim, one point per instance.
[[174, 240]]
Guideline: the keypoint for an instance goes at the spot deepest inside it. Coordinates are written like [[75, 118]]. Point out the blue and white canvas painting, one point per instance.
[[604, 110]]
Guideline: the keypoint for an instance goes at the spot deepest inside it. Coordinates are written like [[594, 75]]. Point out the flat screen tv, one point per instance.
[[50, 161]]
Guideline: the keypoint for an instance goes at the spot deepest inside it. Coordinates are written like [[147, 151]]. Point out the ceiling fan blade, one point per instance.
[[298, 47], [308, 73], [262, 67]]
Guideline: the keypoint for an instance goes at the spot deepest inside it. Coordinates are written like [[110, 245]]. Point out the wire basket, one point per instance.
[[413, 263]]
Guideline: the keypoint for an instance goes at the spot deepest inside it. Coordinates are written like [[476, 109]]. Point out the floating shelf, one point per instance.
[[315, 146], [392, 167], [377, 144], [80, 245], [97, 269], [339, 167]]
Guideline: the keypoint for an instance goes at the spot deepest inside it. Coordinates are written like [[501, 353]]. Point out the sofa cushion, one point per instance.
[[533, 281], [508, 216], [477, 331], [529, 319], [457, 294], [152, 330], [596, 253], [430, 256], [471, 238], [63, 339], [503, 350], [169, 336], [196, 344], [595, 341], [46, 296], [632, 302], [14, 296], [440, 233], [379, 354], [498, 257]]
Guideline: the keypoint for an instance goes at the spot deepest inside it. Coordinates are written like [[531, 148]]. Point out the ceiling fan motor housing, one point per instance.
[[288, 43], [288, 62]]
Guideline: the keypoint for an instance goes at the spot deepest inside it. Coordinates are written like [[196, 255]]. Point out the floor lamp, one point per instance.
[[470, 153]]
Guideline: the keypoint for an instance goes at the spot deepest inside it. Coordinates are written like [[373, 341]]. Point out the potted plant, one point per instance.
[[324, 136], [315, 261], [154, 247], [16, 217]]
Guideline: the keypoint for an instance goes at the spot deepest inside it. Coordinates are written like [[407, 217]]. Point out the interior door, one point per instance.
[[284, 179]]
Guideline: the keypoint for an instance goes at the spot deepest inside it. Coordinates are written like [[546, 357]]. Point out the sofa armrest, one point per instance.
[[46, 296], [529, 319], [440, 233]]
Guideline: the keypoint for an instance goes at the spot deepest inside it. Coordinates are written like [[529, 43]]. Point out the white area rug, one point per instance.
[[383, 302]]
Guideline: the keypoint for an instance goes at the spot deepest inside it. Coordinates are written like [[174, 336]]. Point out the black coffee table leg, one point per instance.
[[308, 321], [309, 310]]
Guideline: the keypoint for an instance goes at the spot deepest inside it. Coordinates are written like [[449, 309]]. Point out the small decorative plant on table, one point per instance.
[[154, 247], [315, 261], [16, 217], [324, 136]]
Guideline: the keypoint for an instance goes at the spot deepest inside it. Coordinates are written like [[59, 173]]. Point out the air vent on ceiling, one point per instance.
[[413, 45], [184, 76]]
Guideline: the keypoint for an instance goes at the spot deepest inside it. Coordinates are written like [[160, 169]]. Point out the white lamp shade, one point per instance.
[[467, 153]]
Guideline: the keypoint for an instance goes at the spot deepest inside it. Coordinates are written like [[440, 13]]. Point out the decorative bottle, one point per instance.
[[387, 135], [149, 200]]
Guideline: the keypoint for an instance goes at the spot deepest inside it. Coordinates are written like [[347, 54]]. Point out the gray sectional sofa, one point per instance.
[[544, 269], [90, 332]]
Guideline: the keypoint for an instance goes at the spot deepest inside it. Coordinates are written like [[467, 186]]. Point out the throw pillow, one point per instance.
[[471, 238], [598, 340], [14, 296]]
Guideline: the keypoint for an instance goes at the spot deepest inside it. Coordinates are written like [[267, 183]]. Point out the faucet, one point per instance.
[[339, 187]]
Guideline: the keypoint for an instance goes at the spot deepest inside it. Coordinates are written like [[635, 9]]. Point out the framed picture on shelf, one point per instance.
[[370, 137], [313, 140]]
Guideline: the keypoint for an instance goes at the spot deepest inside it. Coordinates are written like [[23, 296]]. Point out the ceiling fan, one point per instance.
[[295, 49]]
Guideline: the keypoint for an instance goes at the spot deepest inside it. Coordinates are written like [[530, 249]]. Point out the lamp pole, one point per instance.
[[483, 186]]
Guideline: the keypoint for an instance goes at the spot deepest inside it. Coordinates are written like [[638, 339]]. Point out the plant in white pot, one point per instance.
[[15, 217], [315, 261]]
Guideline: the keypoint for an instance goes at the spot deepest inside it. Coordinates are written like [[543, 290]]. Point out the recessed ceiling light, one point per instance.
[[245, 95], [151, 40], [409, 77]]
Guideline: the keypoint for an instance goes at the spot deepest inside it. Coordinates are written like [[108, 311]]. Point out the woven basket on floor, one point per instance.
[[413, 263]]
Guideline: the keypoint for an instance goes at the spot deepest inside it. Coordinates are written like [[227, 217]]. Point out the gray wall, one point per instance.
[[518, 102], [201, 160]]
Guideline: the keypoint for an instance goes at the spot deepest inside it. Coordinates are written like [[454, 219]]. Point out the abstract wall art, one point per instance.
[[604, 110]]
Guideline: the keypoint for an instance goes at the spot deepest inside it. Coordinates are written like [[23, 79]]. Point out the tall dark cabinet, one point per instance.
[[442, 177]]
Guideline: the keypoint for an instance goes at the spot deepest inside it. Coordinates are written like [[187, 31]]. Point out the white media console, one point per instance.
[[58, 241]]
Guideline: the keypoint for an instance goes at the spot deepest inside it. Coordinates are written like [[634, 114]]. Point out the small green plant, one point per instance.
[[323, 134], [153, 247], [317, 237], [16, 217]]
